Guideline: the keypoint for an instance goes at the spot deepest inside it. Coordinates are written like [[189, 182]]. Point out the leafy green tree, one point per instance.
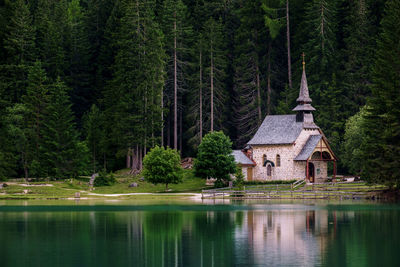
[[214, 158], [354, 138], [162, 165], [381, 149]]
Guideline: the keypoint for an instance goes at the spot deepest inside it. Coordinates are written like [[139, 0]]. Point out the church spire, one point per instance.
[[304, 108], [304, 96]]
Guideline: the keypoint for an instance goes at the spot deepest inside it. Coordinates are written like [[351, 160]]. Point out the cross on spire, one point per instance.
[[304, 63]]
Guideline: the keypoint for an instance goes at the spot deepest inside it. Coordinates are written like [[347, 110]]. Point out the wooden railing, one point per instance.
[[353, 190]]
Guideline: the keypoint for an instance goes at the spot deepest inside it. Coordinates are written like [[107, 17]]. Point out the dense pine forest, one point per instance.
[[94, 84]]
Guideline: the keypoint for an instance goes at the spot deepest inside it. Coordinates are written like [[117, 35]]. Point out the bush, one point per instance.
[[269, 182], [104, 179], [239, 181], [162, 166]]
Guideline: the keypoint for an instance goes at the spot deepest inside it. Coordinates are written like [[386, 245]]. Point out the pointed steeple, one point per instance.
[[304, 107], [304, 96]]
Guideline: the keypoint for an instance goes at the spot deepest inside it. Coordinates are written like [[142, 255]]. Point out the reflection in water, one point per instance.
[[273, 235]]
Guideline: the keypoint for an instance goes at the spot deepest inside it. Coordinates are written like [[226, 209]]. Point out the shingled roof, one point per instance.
[[308, 148], [241, 158], [277, 129]]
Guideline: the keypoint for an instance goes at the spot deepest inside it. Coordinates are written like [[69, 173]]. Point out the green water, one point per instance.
[[199, 234]]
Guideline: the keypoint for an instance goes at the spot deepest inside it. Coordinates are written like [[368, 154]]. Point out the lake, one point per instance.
[[177, 233]]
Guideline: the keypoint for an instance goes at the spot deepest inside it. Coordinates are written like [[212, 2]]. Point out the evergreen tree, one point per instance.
[[177, 37], [134, 95], [78, 70], [214, 75], [19, 45], [59, 145], [247, 78], [49, 37], [95, 136], [360, 45], [19, 133], [381, 149], [35, 101]]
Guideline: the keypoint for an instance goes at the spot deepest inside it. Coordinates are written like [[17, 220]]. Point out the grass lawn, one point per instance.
[[68, 188]]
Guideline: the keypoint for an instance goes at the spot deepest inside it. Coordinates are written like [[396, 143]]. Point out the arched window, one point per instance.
[[269, 170], [278, 160], [264, 159]]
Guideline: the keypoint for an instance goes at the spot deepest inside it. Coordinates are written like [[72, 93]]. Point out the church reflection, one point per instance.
[[223, 235]]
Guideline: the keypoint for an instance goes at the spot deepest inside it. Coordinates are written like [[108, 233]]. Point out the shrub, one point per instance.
[[104, 179], [269, 182]]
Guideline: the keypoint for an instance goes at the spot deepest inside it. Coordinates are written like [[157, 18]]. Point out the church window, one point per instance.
[[278, 160], [264, 159]]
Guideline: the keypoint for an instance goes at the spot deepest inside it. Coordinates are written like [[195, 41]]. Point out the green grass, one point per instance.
[[190, 183], [68, 188]]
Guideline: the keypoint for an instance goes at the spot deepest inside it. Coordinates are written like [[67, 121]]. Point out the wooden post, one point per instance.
[[307, 170], [334, 170]]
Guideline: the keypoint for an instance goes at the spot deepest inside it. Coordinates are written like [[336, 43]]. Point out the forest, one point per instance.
[[94, 84]]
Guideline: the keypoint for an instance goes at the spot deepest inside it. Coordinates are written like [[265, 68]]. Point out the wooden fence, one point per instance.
[[353, 190]]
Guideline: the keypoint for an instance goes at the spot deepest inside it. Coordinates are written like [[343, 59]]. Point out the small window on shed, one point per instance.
[[278, 160]]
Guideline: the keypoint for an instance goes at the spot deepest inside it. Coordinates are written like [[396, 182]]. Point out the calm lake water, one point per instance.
[[199, 234]]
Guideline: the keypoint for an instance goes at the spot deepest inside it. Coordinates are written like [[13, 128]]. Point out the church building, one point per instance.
[[288, 147]]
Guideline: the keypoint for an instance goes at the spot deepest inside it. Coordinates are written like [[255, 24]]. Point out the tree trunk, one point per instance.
[[175, 91], [269, 81], [162, 118], [212, 90], [258, 95], [288, 45], [180, 131], [169, 127], [201, 101], [128, 160]]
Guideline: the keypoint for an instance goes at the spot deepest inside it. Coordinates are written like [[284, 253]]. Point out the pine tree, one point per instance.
[[35, 100], [177, 36], [134, 94], [247, 74], [59, 142], [78, 71], [49, 37], [19, 47], [215, 75], [381, 149], [93, 124], [360, 46]]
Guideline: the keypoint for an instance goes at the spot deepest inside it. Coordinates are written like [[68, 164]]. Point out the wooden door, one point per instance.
[[311, 172], [249, 174]]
